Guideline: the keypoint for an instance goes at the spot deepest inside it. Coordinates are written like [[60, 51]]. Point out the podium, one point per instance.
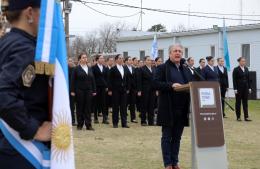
[[207, 132]]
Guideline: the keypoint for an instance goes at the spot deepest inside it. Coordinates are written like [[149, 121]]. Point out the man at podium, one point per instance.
[[173, 108]]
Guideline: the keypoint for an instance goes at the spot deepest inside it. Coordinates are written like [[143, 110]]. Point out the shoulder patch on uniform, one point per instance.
[[28, 76]]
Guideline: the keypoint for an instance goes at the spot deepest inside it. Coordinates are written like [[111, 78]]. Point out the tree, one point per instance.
[[157, 28], [101, 41]]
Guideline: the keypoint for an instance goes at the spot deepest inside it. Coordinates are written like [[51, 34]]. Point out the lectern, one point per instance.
[[208, 142]]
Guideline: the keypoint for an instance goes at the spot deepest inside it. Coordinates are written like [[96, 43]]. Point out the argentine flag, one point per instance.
[[225, 47], [51, 48], [154, 51]]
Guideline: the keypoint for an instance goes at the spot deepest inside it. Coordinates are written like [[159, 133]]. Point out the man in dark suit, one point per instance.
[[137, 71], [173, 111], [117, 87], [131, 97], [210, 73], [110, 63], [190, 62], [242, 87], [197, 76], [84, 88], [72, 98], [146, 91], [100, 73], [223, 81]]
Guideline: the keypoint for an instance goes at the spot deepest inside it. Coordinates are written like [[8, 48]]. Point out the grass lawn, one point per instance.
[[139, 147]]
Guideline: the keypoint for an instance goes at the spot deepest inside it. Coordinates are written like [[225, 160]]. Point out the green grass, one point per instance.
[[139, 147]]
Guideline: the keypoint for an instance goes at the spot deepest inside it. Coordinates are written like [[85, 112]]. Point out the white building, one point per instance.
[[242, 40]]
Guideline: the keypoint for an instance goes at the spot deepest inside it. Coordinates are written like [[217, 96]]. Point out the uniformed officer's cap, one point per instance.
[[14, 5]]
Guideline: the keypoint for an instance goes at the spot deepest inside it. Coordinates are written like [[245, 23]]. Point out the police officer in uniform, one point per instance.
[[23, 92]]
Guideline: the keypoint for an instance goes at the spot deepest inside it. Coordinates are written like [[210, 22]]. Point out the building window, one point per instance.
[[142, 54], [125, 54], [212, 51], [186, 52], [246, 53], [161, 54]]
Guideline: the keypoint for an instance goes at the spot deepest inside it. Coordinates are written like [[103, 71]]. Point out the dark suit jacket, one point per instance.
[[196, 75], [209, 74], [100, 77], [82, 81], [115, 80], [223, 78], [173, 106], [145, 79], [131, 77], [241, 79]]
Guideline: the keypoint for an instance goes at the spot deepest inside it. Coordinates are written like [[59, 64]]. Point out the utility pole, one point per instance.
[[141, 15], [67, 9], [241, 12], [189, 19]]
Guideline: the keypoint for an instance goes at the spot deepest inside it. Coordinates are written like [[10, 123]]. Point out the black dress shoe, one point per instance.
[[239, 119], [115, 126], [247, 119], [125, 126], [105, 122], [96, 121], [143, 124], [90, 128], [134, 121], [79, 128]]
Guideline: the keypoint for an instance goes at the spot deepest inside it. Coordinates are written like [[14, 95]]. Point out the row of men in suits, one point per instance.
[[241, 82], [118, 85]]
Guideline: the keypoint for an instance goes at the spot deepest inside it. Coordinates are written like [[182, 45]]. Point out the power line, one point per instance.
[[181, 11], [114, 16], [173, 12]]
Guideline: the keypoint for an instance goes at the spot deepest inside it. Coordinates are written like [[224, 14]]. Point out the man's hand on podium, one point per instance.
[[176, 85]]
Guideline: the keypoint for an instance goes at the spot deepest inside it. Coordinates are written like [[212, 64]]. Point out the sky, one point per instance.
[[84, 20]]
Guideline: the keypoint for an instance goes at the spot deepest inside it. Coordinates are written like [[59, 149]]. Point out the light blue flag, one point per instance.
[[225, 47], [51, 49], [154, 51]]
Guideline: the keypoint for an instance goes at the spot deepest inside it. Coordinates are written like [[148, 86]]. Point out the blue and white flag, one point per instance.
[[34, 151], [225, 47], [154, 51], [51, 48]]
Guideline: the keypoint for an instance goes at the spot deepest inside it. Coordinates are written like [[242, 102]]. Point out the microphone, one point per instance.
[[183, 62]]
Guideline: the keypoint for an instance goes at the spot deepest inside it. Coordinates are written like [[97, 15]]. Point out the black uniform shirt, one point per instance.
[[23, 108]]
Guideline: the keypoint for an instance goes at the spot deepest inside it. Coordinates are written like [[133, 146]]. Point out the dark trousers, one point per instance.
[[119, 98], [170, 144], [223, 95], [14, 161], [72, 108], [147, 111], [84, 107], [131, 100], [242, 95], [101, 103]]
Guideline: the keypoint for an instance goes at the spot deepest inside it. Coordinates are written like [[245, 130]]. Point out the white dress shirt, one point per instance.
[[121, 70], [243, 68], [221, 68], [100, 67], [130, 69], [149, 69], [212, 68], [85, 68]]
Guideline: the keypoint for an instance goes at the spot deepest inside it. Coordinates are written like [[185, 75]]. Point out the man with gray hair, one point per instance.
[[173, 109]]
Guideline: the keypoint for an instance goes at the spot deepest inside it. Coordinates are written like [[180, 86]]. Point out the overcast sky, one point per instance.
[[83, 19]]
